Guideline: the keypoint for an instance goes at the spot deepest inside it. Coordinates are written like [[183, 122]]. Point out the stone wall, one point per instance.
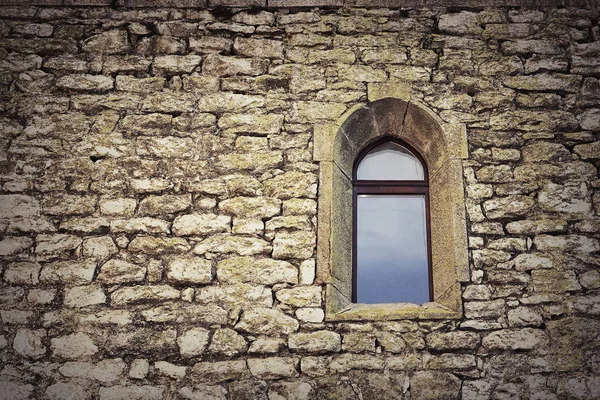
[[158, 202]]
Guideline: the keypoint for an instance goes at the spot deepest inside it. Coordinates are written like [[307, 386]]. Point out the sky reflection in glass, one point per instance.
[[392, 263], [390, 161]]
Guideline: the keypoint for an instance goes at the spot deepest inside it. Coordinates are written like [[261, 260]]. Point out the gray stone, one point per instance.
[[565, 198], [568, 243], [173, 65], [171, 370], [227, 342], [315, 342], [251, 207], [130, 392], [263, 271], [106, 371], [142, 294], [590, 119], [453, 340], [263, 48], [273, 367], [188, 269], [235, 295], [232, 244], [110, 42], [158, 246], [140, 225], [434, 385], [66, 391], [511, 206], [300, 296], [75, 346], [266, 321], [201, 224], [28, 343], [84, 296], [86, 83], [69, 272], [165, 204], [117, 271], [520, 339]]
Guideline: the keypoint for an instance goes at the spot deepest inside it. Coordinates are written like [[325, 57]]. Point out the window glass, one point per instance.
[[390, 161], [392, 260]]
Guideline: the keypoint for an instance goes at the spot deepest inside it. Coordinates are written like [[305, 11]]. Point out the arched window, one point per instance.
[[391, 239]]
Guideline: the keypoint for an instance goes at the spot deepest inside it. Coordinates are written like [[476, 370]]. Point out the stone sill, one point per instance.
[[393, 311], [412, 4]]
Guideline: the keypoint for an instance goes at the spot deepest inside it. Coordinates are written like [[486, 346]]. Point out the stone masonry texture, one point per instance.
[[158, 198]]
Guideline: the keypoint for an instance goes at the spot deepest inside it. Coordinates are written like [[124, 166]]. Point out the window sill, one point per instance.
[[393, 311]]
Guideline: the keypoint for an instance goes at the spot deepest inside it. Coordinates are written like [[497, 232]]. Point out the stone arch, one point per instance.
[[442, 146]]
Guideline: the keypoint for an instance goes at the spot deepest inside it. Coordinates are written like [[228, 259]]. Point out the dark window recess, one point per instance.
[[391, 235]]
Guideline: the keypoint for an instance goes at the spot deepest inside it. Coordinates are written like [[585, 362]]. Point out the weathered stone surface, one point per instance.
[[292, 185], [565, 198], [22, 273], [66, 390], [315, 342], [484, 309], [263, 48], [201, 224], [255, 161], [511, 206], [143, 340], [188, 269], [235, 295], [453, 340], [219, 371], [83, 296], [227, 342], [110, 42], [464, 22], [218, 65], [28, 343], [159, 246], [106, 371], [434, 385], [173, 65], [535, 227], [266, 321], [85, 83], [251, 123], [165, 204], [251, 207], [264, 271], [568, 243], [223, 244], [273, 367], [69, 272], [117, 271], [14, 245], [143, 294], [300, 296], [590, 119], [553, 281], [140, 225], [73, 347], [521, 339], [293, 245], [124, 392], [558, 82], [291, 390], [193, 342]]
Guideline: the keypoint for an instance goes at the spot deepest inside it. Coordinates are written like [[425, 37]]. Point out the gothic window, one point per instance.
[[391, 260]]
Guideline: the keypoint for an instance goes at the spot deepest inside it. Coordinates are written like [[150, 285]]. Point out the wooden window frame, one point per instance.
[[383, 187]]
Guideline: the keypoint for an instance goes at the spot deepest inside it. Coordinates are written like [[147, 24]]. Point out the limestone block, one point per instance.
[[300, 296], [235, 295], [291, 390], [210, 44], [484, 309], [510, 206], [545, 152], [286, 223], [147, 124], [85, 83], [130, 64], [171, 370], [266, 321], [219, 371], [434, 385], [495, 174], [553, 281], [143, 340], [22, 273], [16, 205], [255, 161], [527, 262], [266, 345], [109, 42], [117, 271], [590, 279], [345, 362], [106, 371], [451, 361], [63, 63], [141, 294], [56, 245], [152, 185], [66, 390], [464, 22], [251, 123], [535, 227], [158, 246], [140, 225], [526, 46], [86, 225], [294, 245], [565, 198], [320, 56], [524, 316], [567, 243], [186, 313], [99, 248], [205, 392], [314, 111], [265, 271], [315, 342], [74, 346], [201, 224], [590, 119], [273, 367], [168, 102], [68, 272], [251, 207], [70, 205], [223, 244], [544, 81], [508, 244], [292, 184], [139, 368], [227, 342], [28, 343], [519, 339], [457, 340], [124, 392], [84, 296], [588, 151], [487, 257], [14, 245], [314, 315], [177, 28], [187, 269], [262, 48], [477, 292], [229, 102], [173, 65]]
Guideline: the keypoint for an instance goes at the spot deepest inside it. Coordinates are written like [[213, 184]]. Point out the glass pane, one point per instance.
[[390, 161], [392, 264]]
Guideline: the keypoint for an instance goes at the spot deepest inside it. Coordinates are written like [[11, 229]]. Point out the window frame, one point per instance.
[[383, 187]]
